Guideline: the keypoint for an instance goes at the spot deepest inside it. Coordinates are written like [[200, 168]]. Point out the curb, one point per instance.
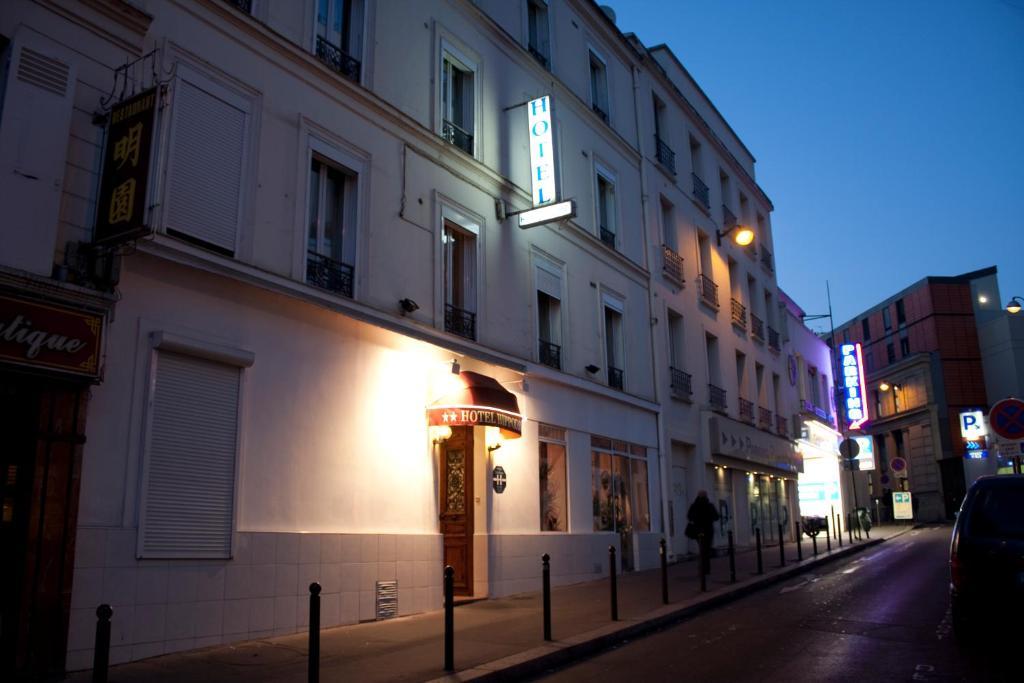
[[556, 654]]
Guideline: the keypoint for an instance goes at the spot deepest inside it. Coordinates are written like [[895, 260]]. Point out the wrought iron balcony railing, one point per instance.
[[334, 57], [746, 410], [460, 322], [739, 315], [764, 418], [708, 290], [781, 425], [550, 354], [326, 273], [681, 383], [728, 217], [538, 55], [700, 192], [766, 259], [457, 136], [614, 377], [773, 340], [716, 398], [666, 156], [600, 112], [608, 237], [756, 327], [672, 265]]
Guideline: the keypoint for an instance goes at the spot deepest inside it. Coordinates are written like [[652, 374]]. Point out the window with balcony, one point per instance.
[[663, 152], [538, 41], [725, 188], [330, 237], [339, 36], [458, 104], [458, 247], [614, 354], [548, 276], [599, 86], [716, 394], [680, 381], [606, 207]]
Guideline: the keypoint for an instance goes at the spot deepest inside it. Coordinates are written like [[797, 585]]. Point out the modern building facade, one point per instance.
[[323, 350]]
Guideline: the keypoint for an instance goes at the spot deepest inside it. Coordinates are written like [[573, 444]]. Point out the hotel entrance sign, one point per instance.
[[472, 416], [542, 151]]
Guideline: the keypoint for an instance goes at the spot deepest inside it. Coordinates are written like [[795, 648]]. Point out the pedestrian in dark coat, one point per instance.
[[703, 515]]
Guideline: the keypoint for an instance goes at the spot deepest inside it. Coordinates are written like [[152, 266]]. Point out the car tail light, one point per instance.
[[956, 571]]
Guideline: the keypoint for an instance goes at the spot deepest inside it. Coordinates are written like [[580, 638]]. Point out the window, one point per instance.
[[537, 41], [598, 86], [812, 384], [339, 34], [865, 328], [663, 152], [904, 345], [668, 225], [901, 313], [188, 496], [207, 163], [330, 242], [619, 486], [878, 404], [886, 319], [676, 354], [614, 355], [741, 375], [890, 353], [762, 395], [846, 336], [549, 313], [554, 504], [897, 437], [776, 395], [728, 217], [457, 100], [606, 207], [458, 247], [897, 406]]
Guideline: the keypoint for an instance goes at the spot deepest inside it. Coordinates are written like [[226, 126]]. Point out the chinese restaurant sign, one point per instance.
[[52, 337], [542, 151], [122, 208], [851, 361], [472, 416]]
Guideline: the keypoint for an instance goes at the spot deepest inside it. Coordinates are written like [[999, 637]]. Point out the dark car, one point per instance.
[[986, 556]]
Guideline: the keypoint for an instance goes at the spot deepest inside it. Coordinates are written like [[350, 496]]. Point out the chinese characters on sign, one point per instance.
[[122, 209], [851, 362], [542, 151]]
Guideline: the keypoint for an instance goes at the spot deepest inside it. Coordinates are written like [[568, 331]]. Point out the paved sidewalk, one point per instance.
[[496, 639]]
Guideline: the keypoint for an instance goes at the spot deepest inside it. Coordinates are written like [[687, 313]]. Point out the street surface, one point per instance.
[[880, 616]]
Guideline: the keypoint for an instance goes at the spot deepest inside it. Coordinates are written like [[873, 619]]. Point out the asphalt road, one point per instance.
[[881, 616]]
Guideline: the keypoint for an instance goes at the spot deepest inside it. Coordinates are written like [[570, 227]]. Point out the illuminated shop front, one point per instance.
[[820, 484]]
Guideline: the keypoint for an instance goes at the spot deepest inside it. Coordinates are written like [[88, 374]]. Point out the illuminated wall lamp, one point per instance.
[[440, 433], [494, 439], [743, 236], [1016, 303], [884, 386]]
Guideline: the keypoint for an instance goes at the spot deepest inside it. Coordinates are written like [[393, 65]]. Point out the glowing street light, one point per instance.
[[1015, 305], [742, 236]]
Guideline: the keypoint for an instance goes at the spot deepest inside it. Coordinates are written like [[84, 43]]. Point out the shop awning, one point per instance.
[[480, 401]]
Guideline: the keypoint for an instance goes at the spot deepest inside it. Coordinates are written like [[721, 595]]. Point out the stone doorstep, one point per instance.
[[561, 652]]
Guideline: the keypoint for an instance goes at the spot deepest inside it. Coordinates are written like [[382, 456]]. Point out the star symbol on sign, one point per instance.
[[449, 416]]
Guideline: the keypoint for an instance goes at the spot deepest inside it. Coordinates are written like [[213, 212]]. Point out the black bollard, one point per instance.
[[663, 550], [849, 529], [546, 580], [313, 667], [732, 560], [814, 544], [839, 530], [760, 564], [799, 544], [828, 537], [614, 586], [449, 618], [782, 548], [101, 649], [703, 559]]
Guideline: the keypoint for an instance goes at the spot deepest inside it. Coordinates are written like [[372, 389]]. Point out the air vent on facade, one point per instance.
[[387, 599], [42, 71]]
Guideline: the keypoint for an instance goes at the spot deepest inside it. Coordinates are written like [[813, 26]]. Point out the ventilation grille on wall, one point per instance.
[[42, 71], [387, 599]]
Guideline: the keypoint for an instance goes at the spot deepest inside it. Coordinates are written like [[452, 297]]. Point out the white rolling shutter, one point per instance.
[[190, 483], [207, 161], [549, 282]]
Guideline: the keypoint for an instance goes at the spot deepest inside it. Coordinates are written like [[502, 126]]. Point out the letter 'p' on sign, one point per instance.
[[972, 424]]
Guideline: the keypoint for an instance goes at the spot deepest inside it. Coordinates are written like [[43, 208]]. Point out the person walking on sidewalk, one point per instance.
[[702, 516]]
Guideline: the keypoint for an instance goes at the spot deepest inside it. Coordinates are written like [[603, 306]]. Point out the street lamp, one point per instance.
[[743, 237], [1015, 305], [884, 386]]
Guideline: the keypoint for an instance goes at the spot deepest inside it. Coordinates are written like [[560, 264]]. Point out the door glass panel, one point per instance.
[[455, 485]]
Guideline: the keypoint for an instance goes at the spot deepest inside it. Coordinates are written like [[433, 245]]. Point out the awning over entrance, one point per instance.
[[481, 401]]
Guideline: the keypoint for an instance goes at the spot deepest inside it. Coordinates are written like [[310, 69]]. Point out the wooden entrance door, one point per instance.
[[457, 506]]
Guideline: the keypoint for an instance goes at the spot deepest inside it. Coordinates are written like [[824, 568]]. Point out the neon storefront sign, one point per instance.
[[851, 360], [542, 151]]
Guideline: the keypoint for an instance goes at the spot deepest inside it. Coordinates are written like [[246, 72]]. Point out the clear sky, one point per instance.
[[889, 134]]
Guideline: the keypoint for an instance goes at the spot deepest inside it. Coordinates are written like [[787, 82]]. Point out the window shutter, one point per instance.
[[207, 165], [190, 483], [549, 283]]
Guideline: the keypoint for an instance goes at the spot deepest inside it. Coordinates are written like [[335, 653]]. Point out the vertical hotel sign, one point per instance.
[[542, 151], [851, 360], [121, 213]]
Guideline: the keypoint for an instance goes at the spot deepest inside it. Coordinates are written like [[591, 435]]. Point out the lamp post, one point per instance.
[[743, 237], [1016, 303]]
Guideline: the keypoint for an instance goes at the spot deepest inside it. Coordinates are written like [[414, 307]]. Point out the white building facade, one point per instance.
[[329, 353]]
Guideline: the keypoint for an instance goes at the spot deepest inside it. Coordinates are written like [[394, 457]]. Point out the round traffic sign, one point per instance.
[[898, 465], [1007, 418], [849, 449]]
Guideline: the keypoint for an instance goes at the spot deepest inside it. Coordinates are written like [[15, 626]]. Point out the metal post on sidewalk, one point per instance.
[[814, 544], [828, 537], [663, 550], [313, 666], [732, 559], [760, 564], [101, 648], [449, 618], [615, 588], [782, 547], [799, 544], [546, 581], [703, 559], [849, 529], [839, 530]]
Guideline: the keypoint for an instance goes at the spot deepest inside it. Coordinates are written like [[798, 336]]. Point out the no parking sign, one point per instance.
[[1007, 418]]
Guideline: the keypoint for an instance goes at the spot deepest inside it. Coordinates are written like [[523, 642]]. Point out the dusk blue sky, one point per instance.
[[888, 134]]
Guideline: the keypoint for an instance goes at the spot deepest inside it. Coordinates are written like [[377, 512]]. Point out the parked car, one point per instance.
[[986, 556]]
